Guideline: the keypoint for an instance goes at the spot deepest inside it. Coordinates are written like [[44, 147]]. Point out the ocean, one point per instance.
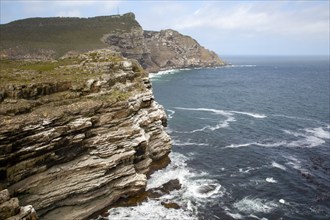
[[250, 141]]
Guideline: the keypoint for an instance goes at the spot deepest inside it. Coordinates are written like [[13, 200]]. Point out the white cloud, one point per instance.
[[259, 18]]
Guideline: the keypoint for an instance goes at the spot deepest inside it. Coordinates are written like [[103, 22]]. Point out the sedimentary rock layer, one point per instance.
[[72, 150]]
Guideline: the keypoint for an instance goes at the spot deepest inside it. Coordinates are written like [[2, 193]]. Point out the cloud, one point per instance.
[[259, 18]]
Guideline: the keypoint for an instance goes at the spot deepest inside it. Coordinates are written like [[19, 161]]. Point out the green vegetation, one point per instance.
[[70, 69], [57, 36]]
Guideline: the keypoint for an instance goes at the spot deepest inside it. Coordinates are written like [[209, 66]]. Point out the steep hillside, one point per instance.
[[44, 38]]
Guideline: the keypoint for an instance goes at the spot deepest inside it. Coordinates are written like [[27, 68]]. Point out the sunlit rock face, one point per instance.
[[73, 146]]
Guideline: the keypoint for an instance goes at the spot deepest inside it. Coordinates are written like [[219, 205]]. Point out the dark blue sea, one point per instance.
[[250, 141]]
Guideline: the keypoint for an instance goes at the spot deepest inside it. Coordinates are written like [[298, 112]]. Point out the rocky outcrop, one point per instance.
[[73, 146], [11, 210], [167, 49]]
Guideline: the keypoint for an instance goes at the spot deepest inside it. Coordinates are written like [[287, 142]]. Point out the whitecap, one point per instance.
[[203, 188], [197, 188], [254, 115], [216, 111], [276, 144], [281, 201], [311, 137], [158, 212], [171, 113], [240, 65], [255, 205], [177, 169], [308, 141], [221, 124], [161, 73], [277, 165], [319, 132], [271, 180], [188, 143], [234, 215], [238, 145], [293, 162]]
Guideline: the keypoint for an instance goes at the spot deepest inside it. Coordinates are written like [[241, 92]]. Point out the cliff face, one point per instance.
[[79, 133], [167, 49]]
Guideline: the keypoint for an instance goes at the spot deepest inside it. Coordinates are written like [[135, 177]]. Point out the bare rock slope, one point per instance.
[[163, 50], [78, 133]]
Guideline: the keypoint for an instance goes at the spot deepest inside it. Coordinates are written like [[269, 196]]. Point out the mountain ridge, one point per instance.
[[51, 38]]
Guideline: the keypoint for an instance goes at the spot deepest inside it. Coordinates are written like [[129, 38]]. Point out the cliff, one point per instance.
[[49, 38], [78, 133], [167, 49]]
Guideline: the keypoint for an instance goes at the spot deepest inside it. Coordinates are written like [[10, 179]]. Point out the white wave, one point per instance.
[[241, 65], [276, 144], [281, 201], [256, 217], [270, 180], [187, 143], [177, 169], [248, 169], [319, 132], [234, 215], [238, 145], [203, 188], [171, 113], [312, 137], [277, 165], [216, 111], [197, 189], [254, 115], [308, 141], [158, 212], [255, 205], [221, 124], [161, 73], [293, 162]]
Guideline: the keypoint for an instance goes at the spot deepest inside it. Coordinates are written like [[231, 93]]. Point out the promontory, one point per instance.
[[79, 125]]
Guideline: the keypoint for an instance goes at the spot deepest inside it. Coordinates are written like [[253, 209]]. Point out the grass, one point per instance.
[[61, 35], [21, 72]]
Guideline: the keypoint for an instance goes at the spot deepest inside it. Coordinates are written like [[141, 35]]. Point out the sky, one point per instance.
[[231, 27]]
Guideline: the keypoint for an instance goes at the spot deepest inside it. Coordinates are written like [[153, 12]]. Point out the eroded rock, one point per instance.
[[71, 157]]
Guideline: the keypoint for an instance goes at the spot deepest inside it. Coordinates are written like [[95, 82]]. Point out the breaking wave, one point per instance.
[[196, 190]]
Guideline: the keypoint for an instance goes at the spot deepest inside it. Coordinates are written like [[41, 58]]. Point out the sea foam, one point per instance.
[[250, 205]]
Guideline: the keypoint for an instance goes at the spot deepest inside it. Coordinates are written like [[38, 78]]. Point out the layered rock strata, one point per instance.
[[73, 146]]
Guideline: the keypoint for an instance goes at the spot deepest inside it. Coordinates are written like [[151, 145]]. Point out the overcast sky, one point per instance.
[[227, 27]]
